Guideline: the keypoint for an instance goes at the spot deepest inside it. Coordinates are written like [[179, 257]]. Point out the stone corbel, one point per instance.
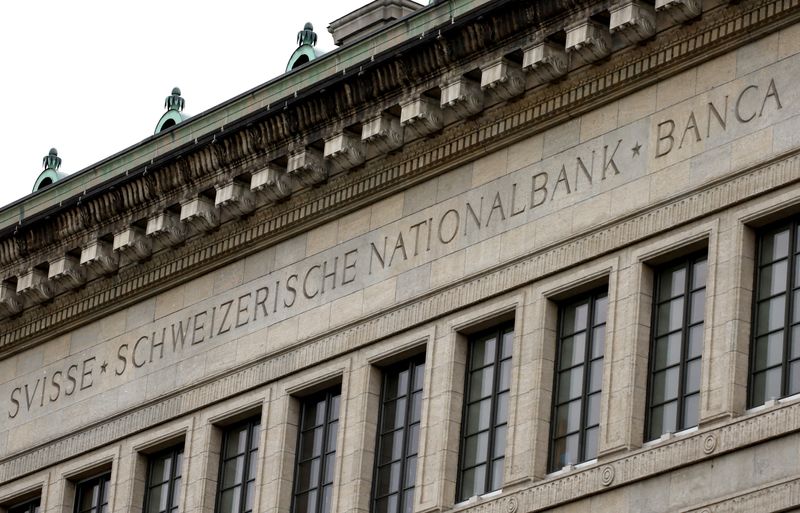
[[10, 302], [383, 132], [345, 151], [34, 286], [66, 272], [421, 116], [199, 213], [547, 61], [166, 228], [463, 96], [633, 20], [680, 10], [99, 257], [308, 167], [505, 79], [236, 198], [273, 182], [589, 40], [133, 244]]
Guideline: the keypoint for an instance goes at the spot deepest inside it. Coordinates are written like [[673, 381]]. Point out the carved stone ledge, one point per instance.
[[633, 20], [133, 244], [308, 167], [547, 60], [503, 78], [590, 40], [680, 10], [235, 198], [421, 116], [200, 214], [99, 257], [66, 273], [166, 228], [10, 302], [273, 182], [383, 132], [345, 151], [33, 286], [463, 96]]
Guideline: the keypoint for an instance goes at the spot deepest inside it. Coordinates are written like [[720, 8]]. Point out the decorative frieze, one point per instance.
[[235, 198], [547, 60], [166, 228], [133, 244], [273, 182], [345, 151], [463, 96], [383, 132], [680, 10], [199, 213], [421, 116], [503, 78], [589, 40], [10, 302], [308, 167], [33, 286], [66, 272], [99, 257], [633, 20]]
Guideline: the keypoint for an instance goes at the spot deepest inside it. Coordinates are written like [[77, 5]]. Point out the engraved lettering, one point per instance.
[[665, 136]]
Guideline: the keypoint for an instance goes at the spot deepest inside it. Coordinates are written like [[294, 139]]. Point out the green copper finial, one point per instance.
[[174, 101], [307, 36], [52, 161]]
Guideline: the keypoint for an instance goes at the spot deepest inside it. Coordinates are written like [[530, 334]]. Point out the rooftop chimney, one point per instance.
[[369, 19]]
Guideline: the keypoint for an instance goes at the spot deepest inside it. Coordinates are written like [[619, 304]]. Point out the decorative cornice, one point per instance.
[[666, 215], [419, 160]]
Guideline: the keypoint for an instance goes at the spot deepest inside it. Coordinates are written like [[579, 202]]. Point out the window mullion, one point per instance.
[[404, 446], [788, 310], [587, 365], [493, 410], [687, 309]]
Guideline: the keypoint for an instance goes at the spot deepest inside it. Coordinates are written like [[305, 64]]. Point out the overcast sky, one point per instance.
[[90, 77]]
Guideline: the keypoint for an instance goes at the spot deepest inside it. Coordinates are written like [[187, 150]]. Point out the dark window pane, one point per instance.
[[794, 346], [593, 410], [416, 407], [691, 411], [664, 419], [600, 310], [508, 342], [479, 416], [476, 449], [474, 482], [314, 467], [481, 383], [590, 450], [502, 408], [699, 274], [568, 418], [692, 377], [483, 352], [497, 474], [411, 472], [413, 439], [794, 378], [673, 283], [570, 384], [698, 306], [769, 350], [419, 376], [236, 442], [695, 341], [775, 246], [598, 341], [773, 279], [670, 316], [596, 376], [766, 385], [573, 350], [771, 314], [499, 441], [665, 385], [391, 447], [575, 318], [668, 351], [388, 479]]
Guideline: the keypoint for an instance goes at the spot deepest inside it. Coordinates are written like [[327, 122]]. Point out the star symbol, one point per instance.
[[636, 149], [103, 367]]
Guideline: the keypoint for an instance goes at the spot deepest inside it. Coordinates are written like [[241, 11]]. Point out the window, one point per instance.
[[578, 380], [398, 437], [29, 506], [164, 481], [316, 453], [775, 353], [92, 494], [676, 347], [483, 441], [236, 486]]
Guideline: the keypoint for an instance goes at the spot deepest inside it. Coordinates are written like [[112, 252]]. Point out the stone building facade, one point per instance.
[[495, 256]]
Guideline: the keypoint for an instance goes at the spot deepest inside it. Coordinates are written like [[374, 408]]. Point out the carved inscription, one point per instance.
[[751, 102]]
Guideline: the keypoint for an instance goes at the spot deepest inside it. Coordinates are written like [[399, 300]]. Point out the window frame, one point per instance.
[[591, 296], [173, 452], [499, 330], [688, 262], [31, 505], [103, 479], [791, 223], [250, 423], [411, 364], [328, 395]]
